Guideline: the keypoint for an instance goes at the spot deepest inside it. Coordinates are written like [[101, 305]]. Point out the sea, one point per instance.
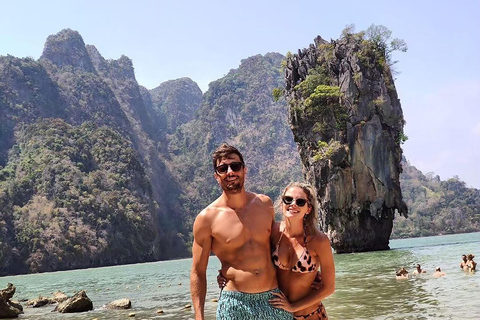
[[366, 287]]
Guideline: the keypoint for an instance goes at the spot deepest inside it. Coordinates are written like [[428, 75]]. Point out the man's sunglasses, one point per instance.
[[223, 168], [290, 200]]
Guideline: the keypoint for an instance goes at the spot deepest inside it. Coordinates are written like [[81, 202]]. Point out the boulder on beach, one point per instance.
[[39, 302], [59, 296], [7, 293], [9, 309], [78, 303], [119, 304], [16, 304]]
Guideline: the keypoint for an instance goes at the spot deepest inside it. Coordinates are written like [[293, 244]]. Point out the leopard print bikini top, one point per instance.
[[304, 264]]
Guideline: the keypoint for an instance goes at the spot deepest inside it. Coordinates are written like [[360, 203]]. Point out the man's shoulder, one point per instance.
[[212, 209], [259, 197]]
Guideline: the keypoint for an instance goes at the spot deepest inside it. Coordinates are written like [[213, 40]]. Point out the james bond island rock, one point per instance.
[[348, 125]]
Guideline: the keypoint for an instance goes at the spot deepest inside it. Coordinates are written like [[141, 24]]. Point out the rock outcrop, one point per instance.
[[67, 49], [43, 301], [38, 302], [78, 303], [119, 304], [9, 309], [348, 125]]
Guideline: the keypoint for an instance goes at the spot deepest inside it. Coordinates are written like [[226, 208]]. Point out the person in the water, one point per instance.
[[418, 270]]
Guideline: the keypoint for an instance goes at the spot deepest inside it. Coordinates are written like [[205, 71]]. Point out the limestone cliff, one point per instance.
[[348, 125]]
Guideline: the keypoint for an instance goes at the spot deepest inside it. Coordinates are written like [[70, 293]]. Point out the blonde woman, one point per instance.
[[471, 265], [300, 252]]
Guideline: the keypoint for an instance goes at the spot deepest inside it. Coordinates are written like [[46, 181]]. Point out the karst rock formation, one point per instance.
[[348, 123]]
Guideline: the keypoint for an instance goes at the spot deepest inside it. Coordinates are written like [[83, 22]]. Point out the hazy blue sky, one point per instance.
[[439, 83]]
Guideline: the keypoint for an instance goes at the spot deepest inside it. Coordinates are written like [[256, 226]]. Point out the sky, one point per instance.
[[439, 76]]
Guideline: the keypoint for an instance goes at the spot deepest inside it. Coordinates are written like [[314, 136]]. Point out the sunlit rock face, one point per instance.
[[348, 125]]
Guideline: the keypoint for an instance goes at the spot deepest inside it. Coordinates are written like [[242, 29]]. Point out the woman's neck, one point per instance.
[[293, 230]]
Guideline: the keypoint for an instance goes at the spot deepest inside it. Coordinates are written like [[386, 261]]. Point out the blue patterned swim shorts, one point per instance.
[[234, 305]]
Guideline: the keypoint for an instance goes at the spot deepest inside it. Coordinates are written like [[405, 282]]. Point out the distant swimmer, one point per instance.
[[463, 264], [438, 273], [418, 270], [471, 265], [402, 274]]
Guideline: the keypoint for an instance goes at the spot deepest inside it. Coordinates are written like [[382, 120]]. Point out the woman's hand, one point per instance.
[[281, 302], [221, 280]]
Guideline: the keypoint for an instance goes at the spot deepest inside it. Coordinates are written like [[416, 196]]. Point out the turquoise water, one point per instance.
[[366, 285]]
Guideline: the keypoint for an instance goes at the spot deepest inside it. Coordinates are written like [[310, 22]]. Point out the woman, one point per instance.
[[402, 274], [299, 250], [471, 265]]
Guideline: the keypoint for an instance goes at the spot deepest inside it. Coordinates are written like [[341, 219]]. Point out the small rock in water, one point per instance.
[[159, 311], [188, 306], [119, 304], [214, 300], [131, 314]]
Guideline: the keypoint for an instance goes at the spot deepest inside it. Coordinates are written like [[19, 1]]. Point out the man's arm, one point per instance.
[[202, 244]]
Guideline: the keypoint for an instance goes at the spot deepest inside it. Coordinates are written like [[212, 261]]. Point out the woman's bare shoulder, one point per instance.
[[319, 241]]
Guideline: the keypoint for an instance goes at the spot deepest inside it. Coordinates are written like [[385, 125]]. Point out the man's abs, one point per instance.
[[248, 269]]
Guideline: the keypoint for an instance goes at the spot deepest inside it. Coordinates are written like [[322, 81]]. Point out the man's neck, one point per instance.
[[235, 200]]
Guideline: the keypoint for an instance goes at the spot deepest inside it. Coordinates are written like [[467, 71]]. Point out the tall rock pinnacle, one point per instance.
[[348, 125], [67, 48]]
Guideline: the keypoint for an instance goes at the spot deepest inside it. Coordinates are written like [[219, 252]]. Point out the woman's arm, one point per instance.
[[321, 245]]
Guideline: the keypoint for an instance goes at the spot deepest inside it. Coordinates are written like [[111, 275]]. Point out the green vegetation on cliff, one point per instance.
[[73, 197], [436, 207], [96, 170]]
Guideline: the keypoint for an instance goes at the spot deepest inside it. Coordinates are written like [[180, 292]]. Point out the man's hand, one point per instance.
[[317, 282]]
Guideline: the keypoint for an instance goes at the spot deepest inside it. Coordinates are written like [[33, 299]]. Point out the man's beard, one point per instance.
[[232, 188]]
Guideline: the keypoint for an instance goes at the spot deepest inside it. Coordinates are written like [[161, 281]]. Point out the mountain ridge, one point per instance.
[[167, 133]]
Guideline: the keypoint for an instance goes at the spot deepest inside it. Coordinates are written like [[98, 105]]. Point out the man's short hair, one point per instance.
[[223, 151]]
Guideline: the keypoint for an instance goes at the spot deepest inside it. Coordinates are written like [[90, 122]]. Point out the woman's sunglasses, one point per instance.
[[223, 168], [290, 200]]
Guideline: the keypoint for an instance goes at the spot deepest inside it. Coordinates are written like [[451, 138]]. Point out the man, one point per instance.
[[463, 263], [438, 273], [418, 270], [236, 227]]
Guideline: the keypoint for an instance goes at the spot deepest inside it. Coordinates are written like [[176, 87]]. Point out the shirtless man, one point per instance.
[[236, 227], [438, 273], [463, 263], [418, 270]]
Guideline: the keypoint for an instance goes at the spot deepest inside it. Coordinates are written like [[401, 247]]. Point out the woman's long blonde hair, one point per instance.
[[310, 221]]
